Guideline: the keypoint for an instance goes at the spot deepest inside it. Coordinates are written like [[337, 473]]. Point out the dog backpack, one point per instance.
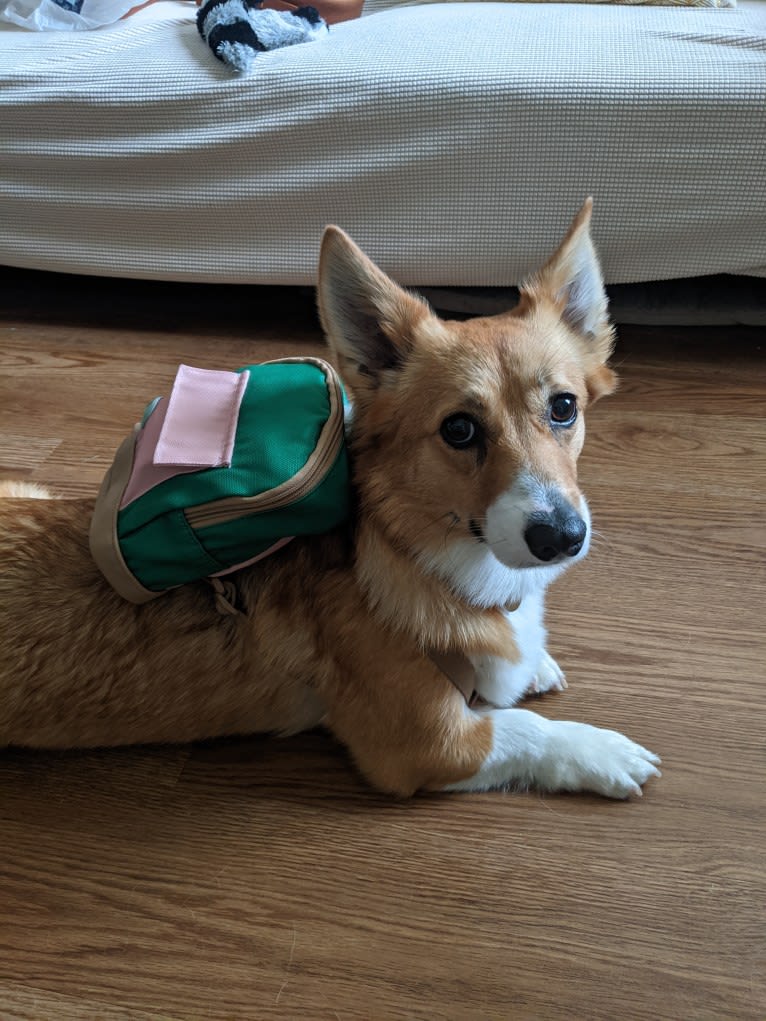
[[221, 474]]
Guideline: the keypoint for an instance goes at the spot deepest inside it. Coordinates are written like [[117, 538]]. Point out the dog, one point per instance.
[[463, 439]]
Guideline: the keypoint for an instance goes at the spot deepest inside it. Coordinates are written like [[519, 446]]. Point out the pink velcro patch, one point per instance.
[[201, 419]]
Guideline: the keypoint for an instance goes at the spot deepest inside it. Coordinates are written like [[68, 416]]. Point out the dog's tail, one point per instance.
[[24, 490]]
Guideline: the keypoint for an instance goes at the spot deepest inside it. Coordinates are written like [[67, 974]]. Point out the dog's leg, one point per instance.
[[549, 676], [502, 682], [529, 750], [409, 728]]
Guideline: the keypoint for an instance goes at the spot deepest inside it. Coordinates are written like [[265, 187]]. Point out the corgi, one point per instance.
[[411, 633]]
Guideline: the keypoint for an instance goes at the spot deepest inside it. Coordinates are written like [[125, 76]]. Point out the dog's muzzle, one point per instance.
[[558, 534]]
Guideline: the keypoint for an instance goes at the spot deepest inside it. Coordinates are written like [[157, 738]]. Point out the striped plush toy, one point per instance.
[[238, 30]]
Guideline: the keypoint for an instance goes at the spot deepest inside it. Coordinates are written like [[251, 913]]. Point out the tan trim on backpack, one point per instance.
[[323, 457], [104, 544]]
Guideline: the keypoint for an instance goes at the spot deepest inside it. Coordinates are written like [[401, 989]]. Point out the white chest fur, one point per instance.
[[503, 683]]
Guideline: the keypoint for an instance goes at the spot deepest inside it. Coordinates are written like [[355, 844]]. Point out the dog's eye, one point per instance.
[[460, 431], [563, 409]]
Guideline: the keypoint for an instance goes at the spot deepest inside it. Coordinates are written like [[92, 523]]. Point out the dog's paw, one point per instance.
[[549, 677], [584, 758]]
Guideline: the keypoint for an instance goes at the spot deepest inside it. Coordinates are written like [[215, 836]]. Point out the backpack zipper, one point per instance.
[[220, 512]]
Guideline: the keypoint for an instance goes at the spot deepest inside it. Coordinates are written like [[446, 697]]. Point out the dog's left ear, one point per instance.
[[572, 280], [369, 320]]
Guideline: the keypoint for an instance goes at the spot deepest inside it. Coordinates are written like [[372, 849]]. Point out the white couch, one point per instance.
[[453, 141]]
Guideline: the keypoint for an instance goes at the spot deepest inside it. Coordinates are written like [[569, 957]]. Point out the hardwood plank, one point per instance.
[[22, 1004], [260, 879]]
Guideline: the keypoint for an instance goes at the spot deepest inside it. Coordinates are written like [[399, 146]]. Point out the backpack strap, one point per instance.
[[458, 668], [225, 597], [104, 543]]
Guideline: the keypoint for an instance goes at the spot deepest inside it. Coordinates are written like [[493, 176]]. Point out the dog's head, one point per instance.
[[466, 434]]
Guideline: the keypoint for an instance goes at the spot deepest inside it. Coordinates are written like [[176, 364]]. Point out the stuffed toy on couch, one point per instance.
[[235, 30], [238, 30]]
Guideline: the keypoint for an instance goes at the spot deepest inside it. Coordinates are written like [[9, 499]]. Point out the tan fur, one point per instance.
[[24, 489], [335, 629]]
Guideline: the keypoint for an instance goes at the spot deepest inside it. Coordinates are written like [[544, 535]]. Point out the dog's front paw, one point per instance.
[[549, 677], [584, 758]]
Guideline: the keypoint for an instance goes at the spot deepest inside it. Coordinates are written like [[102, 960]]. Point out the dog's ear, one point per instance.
[[369, 320], [572, 279]]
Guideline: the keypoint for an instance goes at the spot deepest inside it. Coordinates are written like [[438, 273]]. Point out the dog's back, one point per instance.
[[81, 667]]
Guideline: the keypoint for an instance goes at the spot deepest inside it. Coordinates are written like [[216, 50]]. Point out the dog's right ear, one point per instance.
[[369, 320]]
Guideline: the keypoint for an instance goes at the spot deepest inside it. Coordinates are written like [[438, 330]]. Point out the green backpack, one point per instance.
[[226, 471]]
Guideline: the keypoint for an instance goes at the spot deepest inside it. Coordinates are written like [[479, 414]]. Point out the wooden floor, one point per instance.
[[260, 879]]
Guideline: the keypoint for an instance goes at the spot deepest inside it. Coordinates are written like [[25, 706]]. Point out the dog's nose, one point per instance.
[[548, 540]]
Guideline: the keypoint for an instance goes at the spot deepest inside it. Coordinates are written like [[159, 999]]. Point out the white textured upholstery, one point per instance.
[[453, 141]]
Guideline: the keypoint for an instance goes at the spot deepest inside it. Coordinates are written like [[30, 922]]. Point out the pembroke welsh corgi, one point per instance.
[[412, 633]]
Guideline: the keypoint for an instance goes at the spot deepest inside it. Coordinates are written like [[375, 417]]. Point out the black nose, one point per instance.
[[548, 540]]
